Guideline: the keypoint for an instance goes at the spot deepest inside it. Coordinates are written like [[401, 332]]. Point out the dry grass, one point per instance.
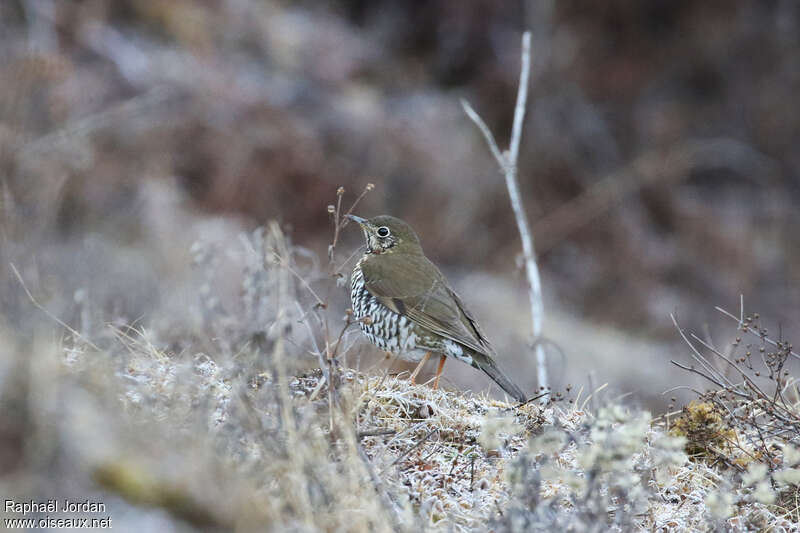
[[216, 442]]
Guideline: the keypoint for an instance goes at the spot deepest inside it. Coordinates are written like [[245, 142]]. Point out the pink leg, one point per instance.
[[442, 359], [419, 367]]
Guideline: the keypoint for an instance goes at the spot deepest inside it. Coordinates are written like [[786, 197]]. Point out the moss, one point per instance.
[[138, 486], [704, 427]]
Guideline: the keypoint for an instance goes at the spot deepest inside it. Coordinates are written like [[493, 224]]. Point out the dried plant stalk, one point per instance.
[[508, 166]]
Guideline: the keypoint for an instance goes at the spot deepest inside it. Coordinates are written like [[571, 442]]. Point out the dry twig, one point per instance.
[[508, 166]]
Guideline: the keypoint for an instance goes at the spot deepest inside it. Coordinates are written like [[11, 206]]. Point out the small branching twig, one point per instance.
[[375, 433], [416, 445], [380, 489], [529, 400], [751, 417], [50, 315], [742, 326], [284, 262], [508, 166], [327, 358], [340, 219]]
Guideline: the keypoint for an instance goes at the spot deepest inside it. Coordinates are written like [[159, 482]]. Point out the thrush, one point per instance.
[[405, 306]]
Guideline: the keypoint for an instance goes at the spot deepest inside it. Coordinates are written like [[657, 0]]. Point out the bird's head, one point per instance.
[[385, 234]]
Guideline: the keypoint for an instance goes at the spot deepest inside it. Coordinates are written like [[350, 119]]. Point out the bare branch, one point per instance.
[[508, 166], [522, 99], [487, 133], [766, 339], [284, 262], [375, 433], [416, 445], [697, 356]]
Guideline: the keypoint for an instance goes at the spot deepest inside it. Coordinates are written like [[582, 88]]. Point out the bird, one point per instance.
[[405, 306]]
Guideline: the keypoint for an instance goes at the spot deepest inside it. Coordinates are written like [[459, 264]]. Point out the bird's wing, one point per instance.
[[417, 289]]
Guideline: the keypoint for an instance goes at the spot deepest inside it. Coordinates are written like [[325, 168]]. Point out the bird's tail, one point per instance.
[[485, 363]]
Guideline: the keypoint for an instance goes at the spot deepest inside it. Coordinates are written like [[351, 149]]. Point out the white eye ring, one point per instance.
[[383, 231]]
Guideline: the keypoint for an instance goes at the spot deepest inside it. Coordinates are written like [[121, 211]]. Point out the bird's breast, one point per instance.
[[389, 331]]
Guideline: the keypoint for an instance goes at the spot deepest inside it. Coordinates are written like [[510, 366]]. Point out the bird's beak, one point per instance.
[[360, 220]]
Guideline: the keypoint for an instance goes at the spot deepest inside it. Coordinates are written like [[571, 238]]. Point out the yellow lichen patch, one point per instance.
[[705, 430]]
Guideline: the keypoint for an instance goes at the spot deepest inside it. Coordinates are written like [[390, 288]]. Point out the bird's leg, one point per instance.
[[442, 359], [419, 367]]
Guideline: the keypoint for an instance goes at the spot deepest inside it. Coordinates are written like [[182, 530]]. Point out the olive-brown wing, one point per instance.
[[412, 286]]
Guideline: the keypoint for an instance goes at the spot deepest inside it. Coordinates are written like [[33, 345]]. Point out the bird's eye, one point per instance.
[[383, 231]]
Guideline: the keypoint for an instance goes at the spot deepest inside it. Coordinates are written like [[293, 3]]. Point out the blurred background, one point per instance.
[[659, 164]]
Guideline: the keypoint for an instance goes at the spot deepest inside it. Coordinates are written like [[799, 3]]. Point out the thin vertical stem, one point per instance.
[[508, 165]]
